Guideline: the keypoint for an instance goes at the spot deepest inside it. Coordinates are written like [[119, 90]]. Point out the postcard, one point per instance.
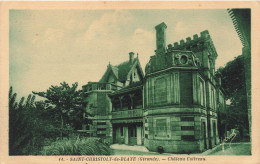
[[129, 82]]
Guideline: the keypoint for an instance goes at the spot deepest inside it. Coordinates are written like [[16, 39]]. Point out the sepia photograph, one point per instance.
[[129, 84]]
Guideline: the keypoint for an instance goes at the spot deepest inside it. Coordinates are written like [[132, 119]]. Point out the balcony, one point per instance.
[[127, 114], [96, 86]]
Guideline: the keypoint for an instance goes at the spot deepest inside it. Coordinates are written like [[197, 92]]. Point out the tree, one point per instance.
[[27, 128], [66, 104], [34, 124], [234, 85], [18, 136]]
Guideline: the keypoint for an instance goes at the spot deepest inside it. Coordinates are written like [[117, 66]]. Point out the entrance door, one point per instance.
[[132, 135], [118, 134], [204, 134]]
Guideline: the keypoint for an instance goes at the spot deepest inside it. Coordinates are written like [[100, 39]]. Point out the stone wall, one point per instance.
[[99, 104], [184, 133], [103, 128]]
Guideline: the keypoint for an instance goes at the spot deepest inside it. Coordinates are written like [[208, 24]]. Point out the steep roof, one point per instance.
[[120, 71], [123, 69], [115, 70]]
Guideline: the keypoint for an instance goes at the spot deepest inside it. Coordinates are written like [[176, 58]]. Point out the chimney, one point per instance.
[[131, 57], [160, 37]]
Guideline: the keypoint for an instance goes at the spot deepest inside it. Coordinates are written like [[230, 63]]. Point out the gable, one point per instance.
[[136, 72], [135, 75], [111, 74], [123, 72], [111, 78]]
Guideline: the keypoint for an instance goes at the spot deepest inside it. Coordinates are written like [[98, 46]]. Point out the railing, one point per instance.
[[128, 114], [94, 86]]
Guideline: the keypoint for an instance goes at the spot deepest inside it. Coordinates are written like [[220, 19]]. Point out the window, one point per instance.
[[187, 119], [186, 87], [101, 123], [160, 90], [221, 101], [201, 92], [187, 127], [183, 59], [146, 136], [188, 137], [213, 99]]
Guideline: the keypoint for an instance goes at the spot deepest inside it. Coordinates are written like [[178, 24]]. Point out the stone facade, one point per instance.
[[173, 107]]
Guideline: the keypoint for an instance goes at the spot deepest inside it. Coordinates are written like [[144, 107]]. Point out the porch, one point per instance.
[[128, 133]]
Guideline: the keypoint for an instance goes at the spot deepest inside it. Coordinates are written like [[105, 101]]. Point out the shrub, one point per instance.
[[84, 146]]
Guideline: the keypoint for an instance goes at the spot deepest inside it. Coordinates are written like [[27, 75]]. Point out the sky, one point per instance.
[[51, 46]]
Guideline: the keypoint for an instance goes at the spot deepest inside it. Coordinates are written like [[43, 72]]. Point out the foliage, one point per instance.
[[66, 104], [34, 124], [84, 146], [234, 85], [233, 78], [27, 129]]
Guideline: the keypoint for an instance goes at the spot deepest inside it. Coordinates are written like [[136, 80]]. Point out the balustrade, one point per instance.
[[95, 86], [127, 114]]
